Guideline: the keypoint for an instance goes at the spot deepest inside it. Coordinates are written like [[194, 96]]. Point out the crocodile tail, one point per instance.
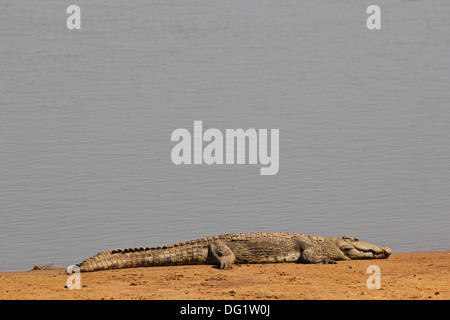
[[180, 254]]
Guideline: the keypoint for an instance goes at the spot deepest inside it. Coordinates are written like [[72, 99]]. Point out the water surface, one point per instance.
[[86, 118]]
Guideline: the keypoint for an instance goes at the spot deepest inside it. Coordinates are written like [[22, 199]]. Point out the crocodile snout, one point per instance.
[[387, 251]]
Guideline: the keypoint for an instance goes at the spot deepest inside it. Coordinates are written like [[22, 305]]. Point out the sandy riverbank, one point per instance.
[[421, 276]]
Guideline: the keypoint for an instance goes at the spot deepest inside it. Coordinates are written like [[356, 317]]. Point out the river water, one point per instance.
[[86, 118]]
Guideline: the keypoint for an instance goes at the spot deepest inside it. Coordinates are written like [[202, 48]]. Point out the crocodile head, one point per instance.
[[353, 248]]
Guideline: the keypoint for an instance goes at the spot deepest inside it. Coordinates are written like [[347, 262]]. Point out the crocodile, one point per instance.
[[241, 248]]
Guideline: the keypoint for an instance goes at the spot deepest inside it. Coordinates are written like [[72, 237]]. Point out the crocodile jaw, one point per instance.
[[353, 248]]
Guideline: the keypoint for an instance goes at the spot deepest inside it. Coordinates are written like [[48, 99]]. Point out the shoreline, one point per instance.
[[412, 276]]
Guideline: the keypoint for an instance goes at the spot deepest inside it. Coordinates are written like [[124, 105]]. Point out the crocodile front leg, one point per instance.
[[310, 255], [223, 254]]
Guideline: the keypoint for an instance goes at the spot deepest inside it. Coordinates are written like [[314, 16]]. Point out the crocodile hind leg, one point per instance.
[[223, 254]]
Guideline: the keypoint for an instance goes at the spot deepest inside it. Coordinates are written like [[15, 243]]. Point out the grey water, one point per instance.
[[86, 118]]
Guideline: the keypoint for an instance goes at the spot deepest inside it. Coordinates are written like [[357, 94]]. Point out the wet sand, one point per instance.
[[412, 276]]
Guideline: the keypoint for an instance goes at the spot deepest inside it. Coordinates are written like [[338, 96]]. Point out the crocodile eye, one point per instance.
[[349, 238]]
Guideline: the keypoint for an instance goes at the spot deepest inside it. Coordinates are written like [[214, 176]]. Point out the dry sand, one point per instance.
[[417, 276]]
